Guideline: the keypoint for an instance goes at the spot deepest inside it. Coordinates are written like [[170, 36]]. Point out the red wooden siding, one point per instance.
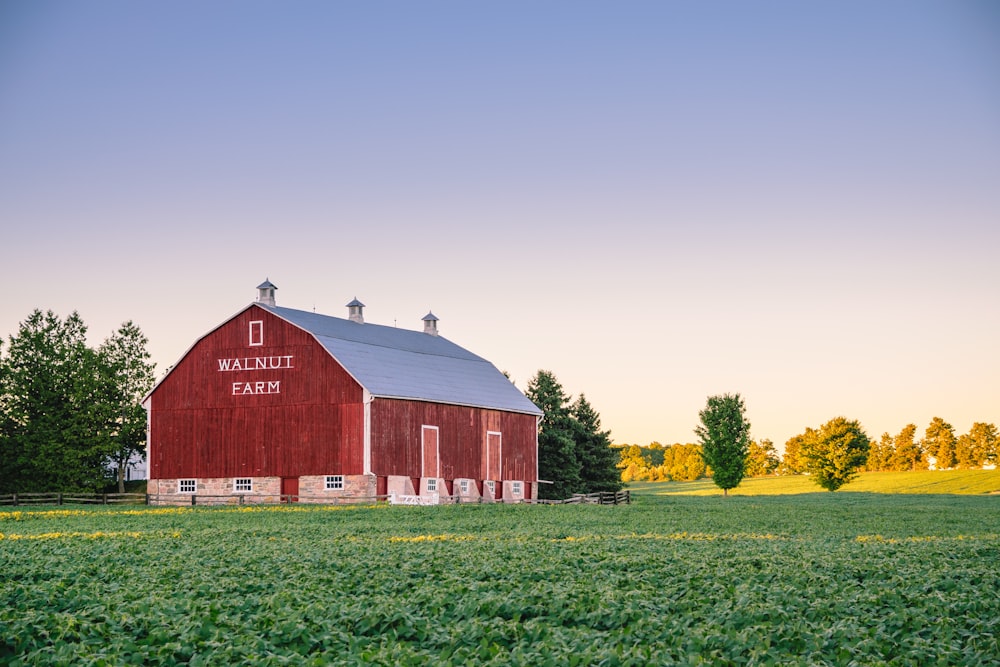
[[396, 440], [430, 448], [308, 420]]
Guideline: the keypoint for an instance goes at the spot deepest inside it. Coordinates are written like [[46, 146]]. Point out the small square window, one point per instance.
[[515, 488], [432, 484], [243, 484], [334, 482], [464, 485], [187, 486]]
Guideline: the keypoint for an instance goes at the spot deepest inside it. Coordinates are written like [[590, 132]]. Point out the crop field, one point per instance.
[[818, 579]]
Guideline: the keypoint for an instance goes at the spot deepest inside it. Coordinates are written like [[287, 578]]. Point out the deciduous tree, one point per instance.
[[762, 458], [835, 452], [724, 435]]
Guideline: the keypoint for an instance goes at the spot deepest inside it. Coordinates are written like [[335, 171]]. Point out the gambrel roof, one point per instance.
[[400, 363]]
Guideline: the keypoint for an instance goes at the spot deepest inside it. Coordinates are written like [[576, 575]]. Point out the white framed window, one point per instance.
[[432, 484], [491, 485], [242, 484], [334, 482], [256, 333], [515, 488], [464, 485], [186, 486]]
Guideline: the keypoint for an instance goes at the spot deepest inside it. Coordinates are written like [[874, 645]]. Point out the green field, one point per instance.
[[812, 578], [925, 481]]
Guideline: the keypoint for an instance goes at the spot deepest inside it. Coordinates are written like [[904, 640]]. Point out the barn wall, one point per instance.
[[396, 439], [302, 414]]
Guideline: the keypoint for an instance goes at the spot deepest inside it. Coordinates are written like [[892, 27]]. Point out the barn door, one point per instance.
[[290, 487], [494, 446], [430, 465]]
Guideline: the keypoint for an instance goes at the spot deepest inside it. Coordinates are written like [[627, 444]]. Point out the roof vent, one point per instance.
[[430, 324], [354, 311], [265, 293]]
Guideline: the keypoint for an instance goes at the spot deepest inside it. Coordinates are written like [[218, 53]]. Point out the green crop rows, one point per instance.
[[824, 579]]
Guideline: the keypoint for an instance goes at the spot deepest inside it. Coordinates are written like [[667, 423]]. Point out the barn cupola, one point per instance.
[[354, 311], [265, 293], [430, 324]]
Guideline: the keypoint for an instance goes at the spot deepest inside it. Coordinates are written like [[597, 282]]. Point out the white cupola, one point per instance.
[[354, 311], [265, 293], [430, 324]]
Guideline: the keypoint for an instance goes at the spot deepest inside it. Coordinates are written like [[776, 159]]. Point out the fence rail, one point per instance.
[[17, 499], [73, 498]]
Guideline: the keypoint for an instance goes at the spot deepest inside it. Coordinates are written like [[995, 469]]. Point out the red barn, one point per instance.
[[281, 401]]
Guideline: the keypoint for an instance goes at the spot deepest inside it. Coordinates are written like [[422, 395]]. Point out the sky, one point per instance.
[[656, 201]]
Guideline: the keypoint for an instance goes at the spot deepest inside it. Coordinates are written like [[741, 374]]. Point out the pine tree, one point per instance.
[[593, 450], [557, 456], [939, 442]]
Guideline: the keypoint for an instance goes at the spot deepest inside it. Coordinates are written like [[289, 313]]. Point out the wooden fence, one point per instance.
[[74, 499], [17, 499]]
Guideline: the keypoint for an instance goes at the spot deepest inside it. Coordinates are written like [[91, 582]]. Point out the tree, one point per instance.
[[55, 434], [557, 457], [593, 450], [880, 454], [762, 458], [907, 454], [834, 454], [130, 374], [791, 462], [724, 434], [978, 447], [939, 442]]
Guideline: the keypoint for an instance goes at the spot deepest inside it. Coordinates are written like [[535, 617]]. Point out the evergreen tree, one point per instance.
[[557, 456], [56, 435], [834, 454], [983, 442], [130, 375], [724, 433], [880, 454], [593, 450]]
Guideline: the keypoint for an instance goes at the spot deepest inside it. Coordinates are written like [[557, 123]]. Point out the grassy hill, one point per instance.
[[924, 481]]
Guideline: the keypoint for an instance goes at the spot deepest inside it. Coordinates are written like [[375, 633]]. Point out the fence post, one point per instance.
[[194, 502], [15, 500], [58, 499], [105, 498], [147, 498]]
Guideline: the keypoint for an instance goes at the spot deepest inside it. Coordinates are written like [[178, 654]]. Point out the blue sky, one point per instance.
[[657, 201]]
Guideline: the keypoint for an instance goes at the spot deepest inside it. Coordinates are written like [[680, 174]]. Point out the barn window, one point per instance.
[[186, 486], [515, 488], [491, 485], [243, 484], [256, 333], [464, 485], [432, 484], [334, 482]]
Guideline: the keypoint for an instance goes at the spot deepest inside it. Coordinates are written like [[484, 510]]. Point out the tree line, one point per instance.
[[70, 414], [832, 453]]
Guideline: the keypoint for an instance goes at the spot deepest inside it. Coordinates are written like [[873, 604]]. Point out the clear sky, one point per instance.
[[657, 201]]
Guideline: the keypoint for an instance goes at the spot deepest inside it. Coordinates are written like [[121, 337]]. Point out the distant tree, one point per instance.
[[978, 447], [130, 374], [835, 452], [907, 454], [791, 462], [593, 450], [939, 442], [762, 458], [557, 456], [683, 463], [880, 454], [724, 435]]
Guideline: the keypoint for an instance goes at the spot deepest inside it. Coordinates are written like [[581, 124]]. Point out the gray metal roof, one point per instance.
[[400, 363]]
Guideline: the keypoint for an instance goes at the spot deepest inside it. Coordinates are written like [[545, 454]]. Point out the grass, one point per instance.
[[921, 482], [790, 577]]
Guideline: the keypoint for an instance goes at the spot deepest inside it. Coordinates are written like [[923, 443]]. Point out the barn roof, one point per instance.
[[400, 363]]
